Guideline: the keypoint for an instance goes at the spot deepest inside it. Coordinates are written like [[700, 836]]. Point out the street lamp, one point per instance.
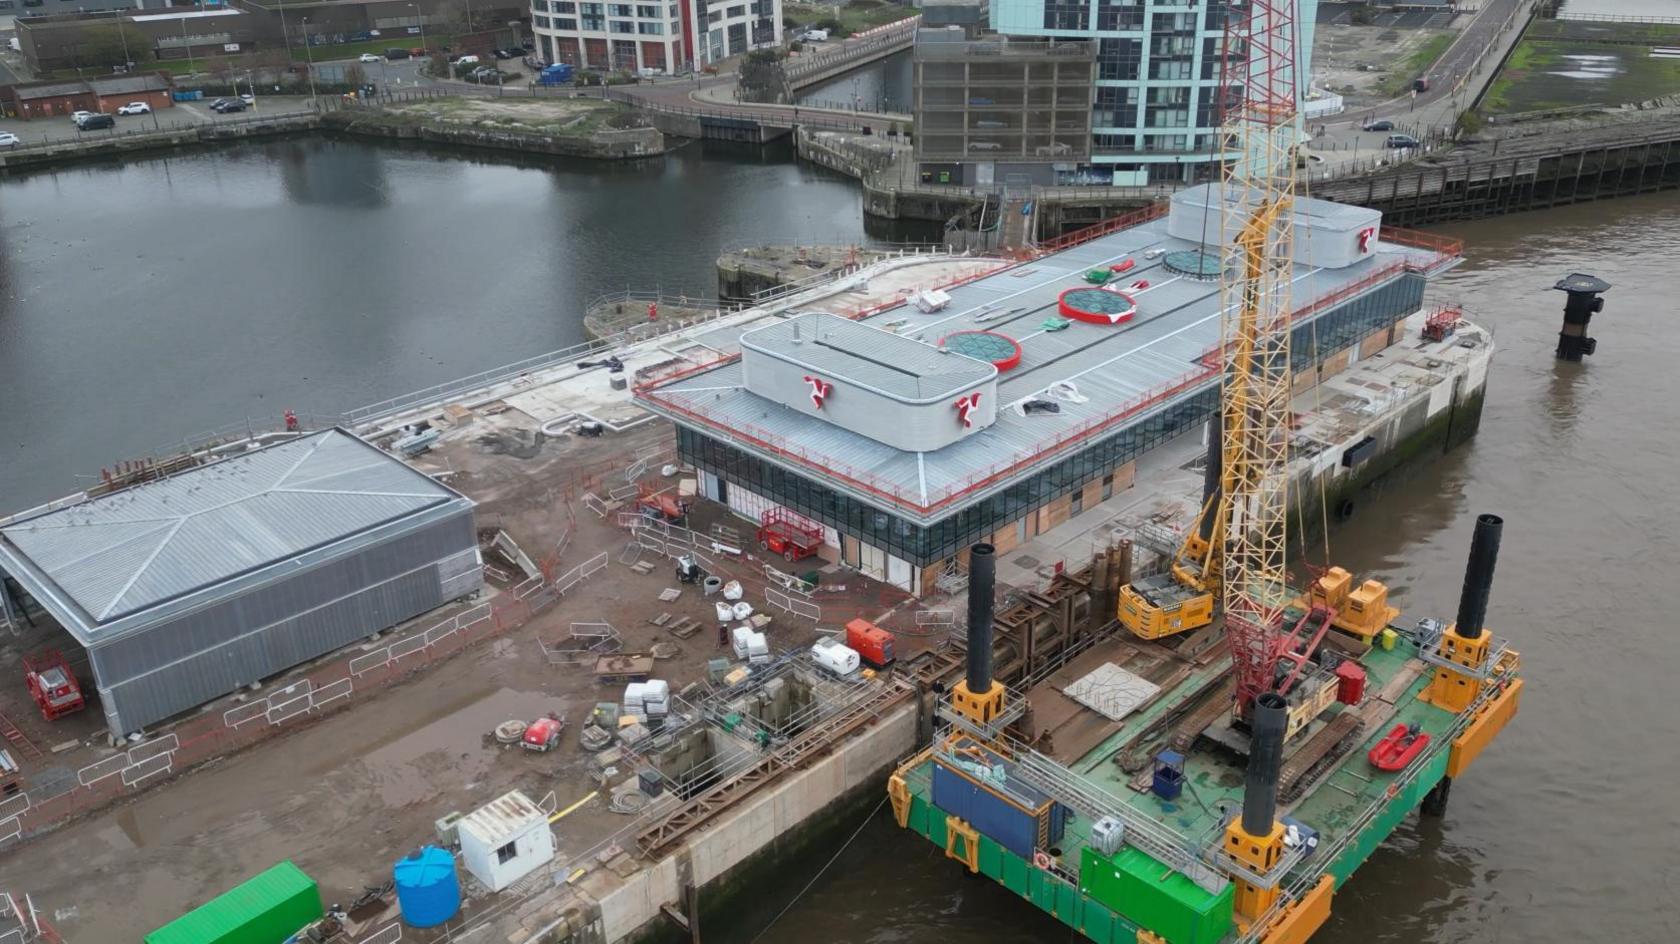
[[188, 44], [128, 61], [420, 22], [309, 56], [285, 35]]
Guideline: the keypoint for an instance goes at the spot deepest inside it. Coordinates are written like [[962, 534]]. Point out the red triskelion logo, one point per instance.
[[966, 405], [820, 388]]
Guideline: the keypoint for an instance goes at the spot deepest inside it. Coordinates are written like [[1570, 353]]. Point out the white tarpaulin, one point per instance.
[[1111, 691]]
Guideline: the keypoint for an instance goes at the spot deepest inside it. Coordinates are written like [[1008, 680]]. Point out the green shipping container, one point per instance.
[[265, 910], [1138, 887]]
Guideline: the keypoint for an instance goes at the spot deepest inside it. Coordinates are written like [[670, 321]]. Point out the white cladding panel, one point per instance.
[[895, 390], [1327, 235]]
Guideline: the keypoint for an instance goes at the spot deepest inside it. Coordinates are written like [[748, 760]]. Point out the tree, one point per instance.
[[355, 76], [1469, 123], [108, 45], [439, 66]]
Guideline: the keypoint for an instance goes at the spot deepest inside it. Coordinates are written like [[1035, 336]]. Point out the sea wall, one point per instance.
[[617, 144], [732, 855], [1427, 423]]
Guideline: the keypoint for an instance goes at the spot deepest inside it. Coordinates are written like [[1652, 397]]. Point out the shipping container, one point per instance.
[[1016, 817], [267, 909], [1139, 888], [873, 644]]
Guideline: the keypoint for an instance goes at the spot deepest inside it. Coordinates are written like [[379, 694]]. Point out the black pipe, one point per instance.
[[1478, 575], [1213, 479], [1267, 723], [982, 584]]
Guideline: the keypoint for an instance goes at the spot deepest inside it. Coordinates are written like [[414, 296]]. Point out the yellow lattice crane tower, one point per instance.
[[1257, 239]]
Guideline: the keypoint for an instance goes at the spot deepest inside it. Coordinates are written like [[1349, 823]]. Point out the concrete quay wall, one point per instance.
[[751, 840]]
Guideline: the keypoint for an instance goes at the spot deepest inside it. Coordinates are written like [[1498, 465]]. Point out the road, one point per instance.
[[1342, 145]]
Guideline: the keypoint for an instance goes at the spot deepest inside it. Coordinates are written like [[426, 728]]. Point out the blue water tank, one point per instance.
[[428, 890]]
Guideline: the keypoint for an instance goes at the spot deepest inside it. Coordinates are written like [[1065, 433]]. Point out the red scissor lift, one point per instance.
[[785, 533], [52, 684]]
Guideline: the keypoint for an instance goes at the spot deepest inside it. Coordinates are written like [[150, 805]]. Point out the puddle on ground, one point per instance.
[[453, 747], [1590, 67]]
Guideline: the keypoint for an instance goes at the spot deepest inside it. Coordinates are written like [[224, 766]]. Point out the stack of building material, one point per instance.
[[656, 699], [634, 701]]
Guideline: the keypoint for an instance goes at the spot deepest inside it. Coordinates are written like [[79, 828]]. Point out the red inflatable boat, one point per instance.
[[1399, 747]]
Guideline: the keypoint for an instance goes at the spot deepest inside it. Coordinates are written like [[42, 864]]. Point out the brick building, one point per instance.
[[30, 100]]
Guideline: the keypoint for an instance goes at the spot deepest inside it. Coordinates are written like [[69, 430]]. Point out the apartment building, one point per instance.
[[665, 36], [1155, 106]]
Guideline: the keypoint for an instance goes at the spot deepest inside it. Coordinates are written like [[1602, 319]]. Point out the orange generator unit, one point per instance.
[[873, 644]]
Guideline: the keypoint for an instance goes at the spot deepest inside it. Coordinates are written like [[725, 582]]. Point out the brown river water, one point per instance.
[[1566, 830]]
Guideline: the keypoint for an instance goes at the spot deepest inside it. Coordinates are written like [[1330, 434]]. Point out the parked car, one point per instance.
[[394, 54], [505, 54], [96, 122], [77, 116], [369, 57], [234, 105], [8, 139], [218, 103], [1383, 125], [466, 61], [135, 108], [248, 98], [1400, 141]]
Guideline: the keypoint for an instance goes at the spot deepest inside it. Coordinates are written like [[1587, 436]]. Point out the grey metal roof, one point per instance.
[[866, 356], [1117, 369], [130, 83], [138, 548]]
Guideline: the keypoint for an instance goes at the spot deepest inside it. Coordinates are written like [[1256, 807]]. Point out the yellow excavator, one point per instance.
[[1183, 598]]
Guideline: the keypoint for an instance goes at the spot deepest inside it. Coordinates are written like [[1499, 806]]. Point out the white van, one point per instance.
[[816, 36]]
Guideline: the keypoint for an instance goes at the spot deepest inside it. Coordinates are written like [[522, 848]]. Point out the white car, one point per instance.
[[467, 61], [370, 57], [77, 116], [8, 139], [135, 108]]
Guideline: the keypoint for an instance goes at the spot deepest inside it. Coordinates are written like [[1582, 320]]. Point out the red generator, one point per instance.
[[785, 533], [53, 685], [873, 644]]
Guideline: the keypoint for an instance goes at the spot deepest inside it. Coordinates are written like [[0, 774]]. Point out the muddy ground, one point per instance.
[[346, 796], [1372, 61]]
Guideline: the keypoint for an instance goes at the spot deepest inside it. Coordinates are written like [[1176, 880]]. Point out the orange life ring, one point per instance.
[[1041, 861]]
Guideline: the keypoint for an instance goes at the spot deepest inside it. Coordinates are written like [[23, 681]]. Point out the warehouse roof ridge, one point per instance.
[[121, 553]]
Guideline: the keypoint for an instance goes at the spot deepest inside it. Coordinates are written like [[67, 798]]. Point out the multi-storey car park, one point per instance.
[[907, 451]]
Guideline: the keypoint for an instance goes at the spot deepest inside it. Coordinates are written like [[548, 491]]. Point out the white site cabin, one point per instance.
[[505, 840]]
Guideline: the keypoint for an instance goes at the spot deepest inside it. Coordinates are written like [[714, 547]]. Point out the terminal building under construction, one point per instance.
[[997, 409]]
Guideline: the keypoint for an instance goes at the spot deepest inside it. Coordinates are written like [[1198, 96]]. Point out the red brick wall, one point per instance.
[[158, 100]]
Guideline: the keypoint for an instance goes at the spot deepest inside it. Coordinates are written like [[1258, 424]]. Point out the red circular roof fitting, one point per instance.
[[1097, 305], [1001, 350]]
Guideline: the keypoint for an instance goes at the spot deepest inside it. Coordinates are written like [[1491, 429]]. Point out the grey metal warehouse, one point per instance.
[[187, 588]]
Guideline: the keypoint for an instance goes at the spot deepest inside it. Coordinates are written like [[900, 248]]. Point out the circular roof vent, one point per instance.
[[1193, 264], [1001, 351], [1097, 306]]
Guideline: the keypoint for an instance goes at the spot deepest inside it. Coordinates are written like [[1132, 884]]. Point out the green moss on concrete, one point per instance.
[[1440, 434]]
